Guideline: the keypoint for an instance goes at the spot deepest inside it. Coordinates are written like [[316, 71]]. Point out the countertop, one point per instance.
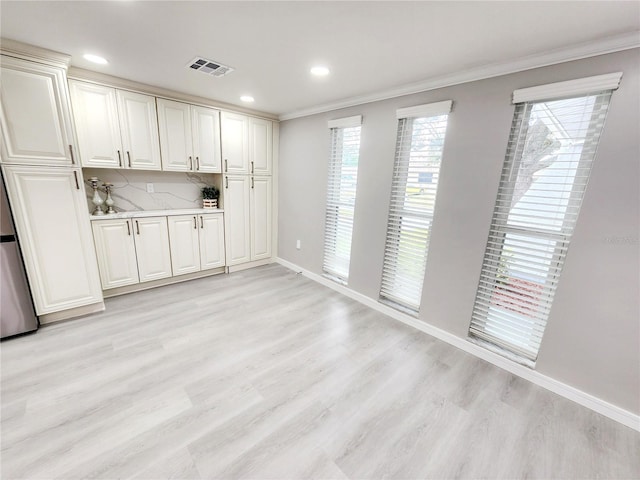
[[156, 213]]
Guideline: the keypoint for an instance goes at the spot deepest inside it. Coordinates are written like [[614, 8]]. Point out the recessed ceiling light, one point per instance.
[[319, 71], [95, 59], [247, 98]]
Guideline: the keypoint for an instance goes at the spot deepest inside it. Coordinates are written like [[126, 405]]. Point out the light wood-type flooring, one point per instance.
[[265, 374]]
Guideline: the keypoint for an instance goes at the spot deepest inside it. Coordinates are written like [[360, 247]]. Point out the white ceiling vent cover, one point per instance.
[[210, 67]]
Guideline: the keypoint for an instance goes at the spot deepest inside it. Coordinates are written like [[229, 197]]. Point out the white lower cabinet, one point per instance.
[[185, 244], [247, 203], [135, 250], [260, 215], [197, 242], [237, 220], [211, 241], [50, 213], [131, 251], [152, 248], [116, 253]]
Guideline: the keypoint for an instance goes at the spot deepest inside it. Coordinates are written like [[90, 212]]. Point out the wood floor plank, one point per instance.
[[265, 374]]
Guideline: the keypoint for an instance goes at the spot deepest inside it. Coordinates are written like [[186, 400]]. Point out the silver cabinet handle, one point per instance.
[[190, 163], [75, 175], [201, 222], [129, 157], [119, 159], [137, 227], [128, 228], [197, 163], [251, 182], [73, 160], [195, 225], [226, 166], [251, 168], [226, 182]]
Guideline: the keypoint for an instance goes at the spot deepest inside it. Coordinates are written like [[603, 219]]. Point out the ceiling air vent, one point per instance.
[[209, 67]]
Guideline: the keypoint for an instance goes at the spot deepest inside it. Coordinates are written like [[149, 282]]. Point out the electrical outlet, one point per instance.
[[298, 244], [150, 188]]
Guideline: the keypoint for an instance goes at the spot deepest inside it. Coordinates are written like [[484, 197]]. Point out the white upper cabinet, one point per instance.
[[260, 213], [176, 145], [34, 114], [260, 146], [189, 137], [205, 124], [116, 128], [95, 111], [235, 143], [116, 252], [50, 212], [139, 130]]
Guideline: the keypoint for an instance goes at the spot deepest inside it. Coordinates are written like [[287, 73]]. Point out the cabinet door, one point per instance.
[[176, 147], [116, 252], [236, 208], [235, 143], [152, 248], [260, 146], [139, 130], [205, 124], [260, 218], [95, 112], [211, 241], [52, 222], [34, 114], [185, 244]]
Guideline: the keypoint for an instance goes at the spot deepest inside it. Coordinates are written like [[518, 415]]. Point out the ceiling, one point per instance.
[[370, 47]]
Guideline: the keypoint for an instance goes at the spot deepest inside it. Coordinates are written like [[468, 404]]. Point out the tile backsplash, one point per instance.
[[172, 190]]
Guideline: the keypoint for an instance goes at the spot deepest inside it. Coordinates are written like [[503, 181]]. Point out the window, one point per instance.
[[341, 195], [551, 149], [420, 141]]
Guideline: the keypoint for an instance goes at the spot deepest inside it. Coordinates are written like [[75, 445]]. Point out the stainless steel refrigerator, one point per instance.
[[17, 314]]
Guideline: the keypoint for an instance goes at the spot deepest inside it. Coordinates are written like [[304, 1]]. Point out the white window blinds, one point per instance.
[[551, 148], [421, 132], [341, 195]]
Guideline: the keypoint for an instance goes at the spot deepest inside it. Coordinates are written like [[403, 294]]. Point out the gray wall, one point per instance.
[[592, 341]]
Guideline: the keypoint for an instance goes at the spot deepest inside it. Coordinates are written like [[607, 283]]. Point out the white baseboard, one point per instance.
[[585, 399], [48, 318]]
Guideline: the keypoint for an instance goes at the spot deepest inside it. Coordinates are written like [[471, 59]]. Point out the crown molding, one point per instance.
[[612, 44], [25, 51], [124, 84]]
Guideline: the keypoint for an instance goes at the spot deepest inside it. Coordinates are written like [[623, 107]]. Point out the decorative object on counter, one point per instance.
[[210, 195], [97, 199], [109, 201]]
